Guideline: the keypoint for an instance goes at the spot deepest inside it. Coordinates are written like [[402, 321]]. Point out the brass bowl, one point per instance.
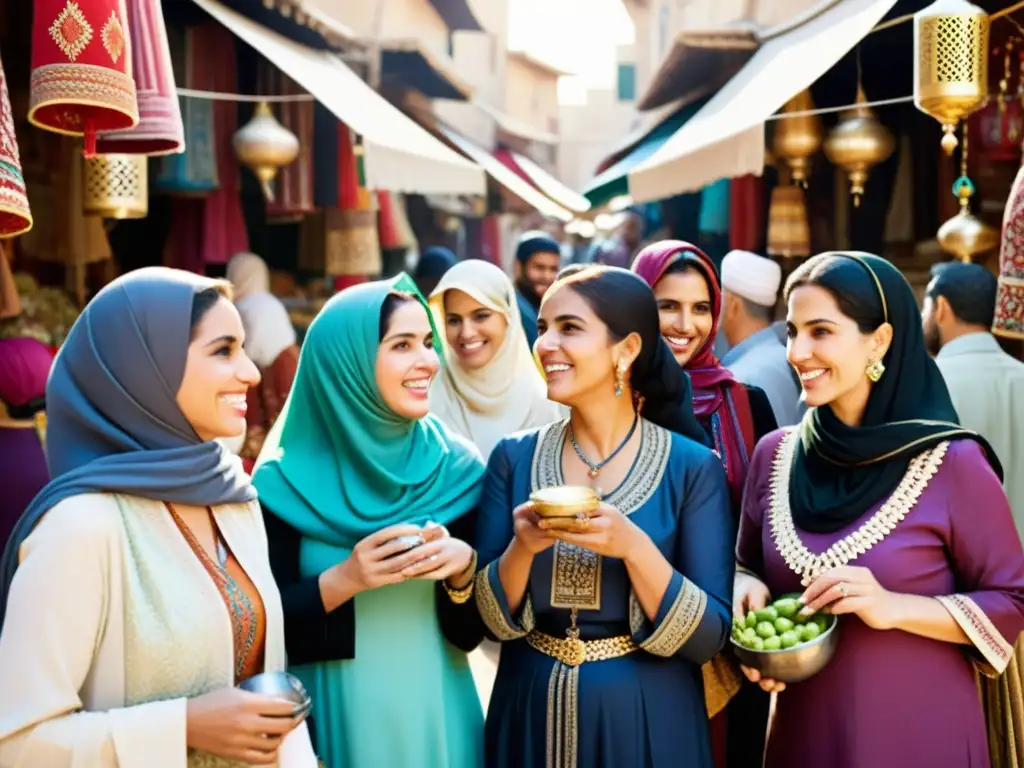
[[796, 664], [565, 501]]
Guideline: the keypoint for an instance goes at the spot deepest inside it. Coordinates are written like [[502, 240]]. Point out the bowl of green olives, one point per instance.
[[782, 644]]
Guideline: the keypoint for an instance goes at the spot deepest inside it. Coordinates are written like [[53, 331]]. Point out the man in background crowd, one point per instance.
[[757, 347], [986, 384], [538, 257]]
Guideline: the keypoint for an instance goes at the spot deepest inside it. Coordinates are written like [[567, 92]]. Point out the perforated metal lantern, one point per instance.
[[950, 63], [116, 186]]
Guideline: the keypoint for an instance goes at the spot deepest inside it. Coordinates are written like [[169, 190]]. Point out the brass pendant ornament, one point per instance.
[[797, 139], [965, 235], [265, 146], [950, 63], [858, 143]]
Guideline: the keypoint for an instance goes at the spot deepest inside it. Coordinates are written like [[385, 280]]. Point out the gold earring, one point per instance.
[[875, 371], [620, 380]]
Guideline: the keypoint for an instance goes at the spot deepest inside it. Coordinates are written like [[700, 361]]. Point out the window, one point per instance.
[[627, 82]]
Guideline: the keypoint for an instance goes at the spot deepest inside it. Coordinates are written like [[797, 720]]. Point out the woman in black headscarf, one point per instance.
[[879, 508]]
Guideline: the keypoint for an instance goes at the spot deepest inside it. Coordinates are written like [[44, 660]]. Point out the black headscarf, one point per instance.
[[839, 471], [434, 262]]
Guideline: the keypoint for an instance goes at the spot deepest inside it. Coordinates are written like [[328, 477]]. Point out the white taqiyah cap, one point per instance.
[[753, 277]]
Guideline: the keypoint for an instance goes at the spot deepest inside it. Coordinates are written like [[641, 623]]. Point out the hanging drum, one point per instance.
[[950, 63], [116, 187]]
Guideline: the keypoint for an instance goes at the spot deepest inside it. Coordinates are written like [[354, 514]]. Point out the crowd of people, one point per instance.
[[215, 503]]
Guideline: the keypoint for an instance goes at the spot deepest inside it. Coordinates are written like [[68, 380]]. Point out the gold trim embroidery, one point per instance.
[[808, 565], [71, 31], [81, 85], [113, 37], [576, 572], [493, 615], [679, 623], [563, 716], [979, 629]]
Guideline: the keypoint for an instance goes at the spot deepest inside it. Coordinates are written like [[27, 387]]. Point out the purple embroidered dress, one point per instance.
[[890, 699]]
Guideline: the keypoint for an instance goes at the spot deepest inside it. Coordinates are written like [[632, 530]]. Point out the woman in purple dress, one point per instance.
[[24, 366], [882, 510]]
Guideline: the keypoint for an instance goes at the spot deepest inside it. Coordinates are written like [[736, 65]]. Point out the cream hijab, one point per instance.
[[268, 329], [508, 394]]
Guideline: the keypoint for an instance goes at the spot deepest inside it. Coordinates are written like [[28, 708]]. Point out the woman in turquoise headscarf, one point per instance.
[[369, 502]]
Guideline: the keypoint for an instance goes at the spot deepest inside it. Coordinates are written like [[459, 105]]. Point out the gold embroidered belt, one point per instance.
[[572, 651]]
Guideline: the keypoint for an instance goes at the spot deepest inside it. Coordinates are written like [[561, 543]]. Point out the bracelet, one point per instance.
[[460, 596]]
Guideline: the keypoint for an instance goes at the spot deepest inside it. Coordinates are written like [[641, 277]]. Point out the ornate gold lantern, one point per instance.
[[116, 186], [965, 235], [950, 63], [798, 138], [264, 145], [789, 234], [858, 143]]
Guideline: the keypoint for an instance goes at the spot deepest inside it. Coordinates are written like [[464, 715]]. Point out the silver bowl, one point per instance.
[[280, 685], [792, 665]]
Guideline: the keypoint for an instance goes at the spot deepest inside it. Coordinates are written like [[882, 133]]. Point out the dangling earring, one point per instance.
[[875, 371], [620, 380]]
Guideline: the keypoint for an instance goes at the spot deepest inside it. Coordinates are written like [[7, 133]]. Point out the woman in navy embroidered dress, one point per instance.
[[645, 581]]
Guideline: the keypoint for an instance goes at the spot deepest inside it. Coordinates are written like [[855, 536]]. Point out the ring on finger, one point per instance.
[[843, 590]]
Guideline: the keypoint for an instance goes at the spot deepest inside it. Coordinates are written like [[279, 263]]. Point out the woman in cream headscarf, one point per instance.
[[490, 386], [270, 342]]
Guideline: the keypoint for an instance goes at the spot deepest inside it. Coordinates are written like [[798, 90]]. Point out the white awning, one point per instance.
[[508, 178], [550, 186], [400, 155], [726, 138]]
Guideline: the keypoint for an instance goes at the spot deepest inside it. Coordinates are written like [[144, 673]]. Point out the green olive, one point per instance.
[[765, 629]]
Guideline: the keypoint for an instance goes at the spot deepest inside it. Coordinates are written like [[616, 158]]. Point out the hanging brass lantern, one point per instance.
[[965, 235], [789, 234], [798, 138], [116, 186], [264, 145], [858, 143], [950, 63]]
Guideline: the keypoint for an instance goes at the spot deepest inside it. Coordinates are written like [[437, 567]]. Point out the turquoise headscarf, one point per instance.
[[340, 464]]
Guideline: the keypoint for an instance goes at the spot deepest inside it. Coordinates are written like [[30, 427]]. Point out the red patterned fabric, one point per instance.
[[81, 79], [1009, 319], [15, 217], [387, 223], [348, 170], [159, 131]]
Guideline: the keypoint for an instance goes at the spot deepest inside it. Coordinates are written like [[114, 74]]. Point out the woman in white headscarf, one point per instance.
[[490, 386], [270, 342]]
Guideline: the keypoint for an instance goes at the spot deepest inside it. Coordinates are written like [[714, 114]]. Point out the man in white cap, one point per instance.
[[757, 347]]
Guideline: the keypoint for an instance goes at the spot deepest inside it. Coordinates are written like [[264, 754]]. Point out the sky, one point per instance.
[[577, 36]]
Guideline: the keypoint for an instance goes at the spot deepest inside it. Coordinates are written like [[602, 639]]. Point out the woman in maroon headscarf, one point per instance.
[[735, 416], [24, 366]]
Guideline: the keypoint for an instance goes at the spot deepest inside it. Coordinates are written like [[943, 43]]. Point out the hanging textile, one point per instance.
[[193, 172], [747, 214], [15, 217], [1009, 318], [293, 187], [81, 80], [159, 131], [211, 230]]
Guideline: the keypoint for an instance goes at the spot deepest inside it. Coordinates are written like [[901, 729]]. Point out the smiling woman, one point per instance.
[[361, 487], [148, 538]]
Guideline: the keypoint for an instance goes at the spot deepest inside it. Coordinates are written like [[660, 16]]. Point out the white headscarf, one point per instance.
[[268, 329], [508, 394]]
